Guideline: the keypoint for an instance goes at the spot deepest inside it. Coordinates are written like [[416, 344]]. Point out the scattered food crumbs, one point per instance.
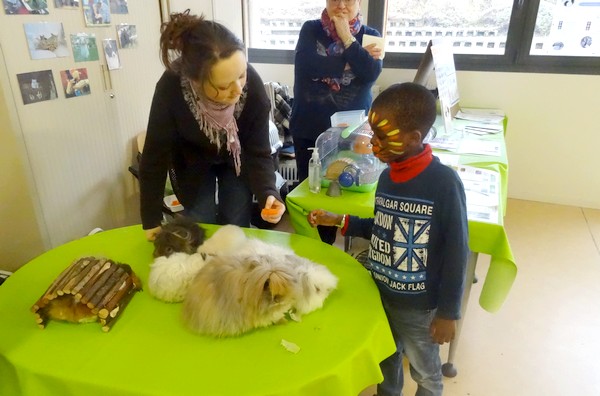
[[291, 315], [290, 346]]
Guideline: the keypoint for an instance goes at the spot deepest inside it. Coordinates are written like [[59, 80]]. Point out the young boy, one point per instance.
[[418, 237]]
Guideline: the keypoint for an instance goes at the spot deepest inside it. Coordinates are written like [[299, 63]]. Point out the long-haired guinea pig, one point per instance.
[[226, 240], [231, 295], [315, 283], [171, 276], [179, 235]]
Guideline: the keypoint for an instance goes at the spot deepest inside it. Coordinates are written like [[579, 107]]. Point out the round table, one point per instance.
[[149, 352]]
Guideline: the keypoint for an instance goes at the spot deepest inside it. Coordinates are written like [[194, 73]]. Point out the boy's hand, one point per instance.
[[442, 330], [323, 217]]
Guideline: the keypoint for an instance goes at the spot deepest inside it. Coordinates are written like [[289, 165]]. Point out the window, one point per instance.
[[554, 36]]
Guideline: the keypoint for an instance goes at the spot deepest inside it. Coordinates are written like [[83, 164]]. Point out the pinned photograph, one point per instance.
[[118, 7], [37, 86], [111, 53], [46, 40], [75, 82], [84, 47], [96, 12], [127, 36], [21, 7], [66, 4]]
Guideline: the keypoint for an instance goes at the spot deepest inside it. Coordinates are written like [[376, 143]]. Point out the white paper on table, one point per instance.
[[482, 213], [486, 116], [378, 41], [481, 147], [480, 128], [447, 142], [482, 186], [450, 160]]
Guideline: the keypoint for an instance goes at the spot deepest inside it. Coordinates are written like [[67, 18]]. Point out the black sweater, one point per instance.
[[174, 139]]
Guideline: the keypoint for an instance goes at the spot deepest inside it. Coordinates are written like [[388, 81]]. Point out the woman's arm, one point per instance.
[[364, 66], [253, 125], [156, 155], [308, 62]]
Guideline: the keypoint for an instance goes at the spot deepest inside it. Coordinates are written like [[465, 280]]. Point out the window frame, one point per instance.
[[515, 59]]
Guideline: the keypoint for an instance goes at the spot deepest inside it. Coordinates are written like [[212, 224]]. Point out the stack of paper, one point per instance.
[[482, 189], [487, 116]]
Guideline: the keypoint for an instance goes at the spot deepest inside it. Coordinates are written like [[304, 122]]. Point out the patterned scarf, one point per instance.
[[336, 48], [405, 170], [216, 120]]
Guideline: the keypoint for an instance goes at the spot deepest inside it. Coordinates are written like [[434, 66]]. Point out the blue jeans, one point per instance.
[[234, 199], [410, 329]]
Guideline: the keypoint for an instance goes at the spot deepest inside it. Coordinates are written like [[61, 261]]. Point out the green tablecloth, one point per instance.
[[484, 237], [148, 351]]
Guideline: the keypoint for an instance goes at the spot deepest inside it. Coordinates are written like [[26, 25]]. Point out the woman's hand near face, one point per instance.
[[342, 28]]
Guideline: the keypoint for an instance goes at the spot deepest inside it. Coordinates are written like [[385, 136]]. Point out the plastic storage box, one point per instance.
[[347, 156], [347, 118]]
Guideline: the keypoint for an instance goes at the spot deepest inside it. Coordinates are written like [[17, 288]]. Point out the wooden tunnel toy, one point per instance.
[[89, 290]]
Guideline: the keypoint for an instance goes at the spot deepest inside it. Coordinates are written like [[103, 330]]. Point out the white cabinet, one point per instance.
[[76, 150]]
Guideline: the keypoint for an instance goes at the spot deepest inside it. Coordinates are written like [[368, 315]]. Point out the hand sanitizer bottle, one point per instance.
[[314, 171]]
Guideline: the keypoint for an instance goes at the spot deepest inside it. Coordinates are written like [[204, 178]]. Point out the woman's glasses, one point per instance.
[[346, 2]]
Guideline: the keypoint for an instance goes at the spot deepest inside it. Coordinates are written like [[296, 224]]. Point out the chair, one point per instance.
[[170, 188]]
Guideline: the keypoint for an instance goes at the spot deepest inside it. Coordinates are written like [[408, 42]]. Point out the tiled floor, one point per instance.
[[545, 340]]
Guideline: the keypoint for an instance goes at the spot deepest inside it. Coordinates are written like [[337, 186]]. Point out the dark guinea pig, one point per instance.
[[179, 235]]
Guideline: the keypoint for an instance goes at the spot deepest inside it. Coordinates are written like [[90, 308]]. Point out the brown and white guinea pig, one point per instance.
[[315, 283], [233, 294], [179, 235]]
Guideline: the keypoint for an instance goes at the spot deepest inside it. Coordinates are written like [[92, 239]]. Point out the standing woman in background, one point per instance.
[[208, 122], [332, 72]]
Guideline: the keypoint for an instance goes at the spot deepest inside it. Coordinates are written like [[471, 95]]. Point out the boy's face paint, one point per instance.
[[388, 140]]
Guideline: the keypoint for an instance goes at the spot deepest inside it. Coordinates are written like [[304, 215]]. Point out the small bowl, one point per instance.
[[172, 203]]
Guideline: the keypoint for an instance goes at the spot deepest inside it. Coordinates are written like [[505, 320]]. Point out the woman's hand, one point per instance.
[[151, 233], [273, 210], [342, 28], [374, 51]]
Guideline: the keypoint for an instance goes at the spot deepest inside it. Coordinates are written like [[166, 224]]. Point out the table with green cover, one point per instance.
[[149, 352], [484, 237]]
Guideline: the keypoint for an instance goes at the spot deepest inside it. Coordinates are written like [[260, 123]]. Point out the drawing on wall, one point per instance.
[[96, 12], [37, 86], [14, 7], [66, 4], [112, 55], [75, 82], [84, 47], [118, 7], [127, 36], [46, 40]]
